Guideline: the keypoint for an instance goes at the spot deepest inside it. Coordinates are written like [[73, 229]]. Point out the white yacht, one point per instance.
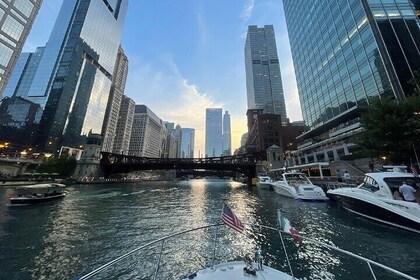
[[377, 198], [296, 185], [264, 182], [251, 267]]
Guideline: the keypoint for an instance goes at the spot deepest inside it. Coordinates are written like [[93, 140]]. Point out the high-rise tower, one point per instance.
[[119, 79], [73, 79], [227, 142], [214, 142], [187, 142], [344, 53], [16, 19], [263, 77]]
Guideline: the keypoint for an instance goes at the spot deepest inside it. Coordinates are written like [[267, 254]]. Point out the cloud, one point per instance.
[[202, 27], [247, 10], [159, 85]]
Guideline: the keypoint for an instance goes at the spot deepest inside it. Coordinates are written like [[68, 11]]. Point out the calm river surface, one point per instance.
[[97, 223]]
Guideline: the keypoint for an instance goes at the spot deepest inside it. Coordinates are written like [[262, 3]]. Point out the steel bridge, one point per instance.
[[244, 164]]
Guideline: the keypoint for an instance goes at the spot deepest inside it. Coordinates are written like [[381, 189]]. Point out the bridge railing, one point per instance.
[[113, 159]]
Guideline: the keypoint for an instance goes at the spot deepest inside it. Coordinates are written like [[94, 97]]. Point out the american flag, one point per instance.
[[414, 170], [230, 219]]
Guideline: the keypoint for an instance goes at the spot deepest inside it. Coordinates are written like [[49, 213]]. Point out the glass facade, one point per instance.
[[344, 53], [339, 61], [187, 142], [23, 74], [263, 77], [227, 143], [214, 141], [16, 18], [73, 77]]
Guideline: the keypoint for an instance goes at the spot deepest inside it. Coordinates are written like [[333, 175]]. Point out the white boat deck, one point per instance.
[[235, 271]]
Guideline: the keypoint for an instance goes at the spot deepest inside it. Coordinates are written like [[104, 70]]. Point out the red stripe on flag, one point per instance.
[[231, 220]]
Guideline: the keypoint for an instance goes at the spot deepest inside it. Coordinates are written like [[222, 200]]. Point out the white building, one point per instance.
[[148, 135]]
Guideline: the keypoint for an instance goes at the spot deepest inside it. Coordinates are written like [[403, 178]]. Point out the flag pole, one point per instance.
[[287, 256], [214, 247]]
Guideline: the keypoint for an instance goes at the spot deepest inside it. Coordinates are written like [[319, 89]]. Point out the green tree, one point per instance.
[[391, 129], [63, 165]]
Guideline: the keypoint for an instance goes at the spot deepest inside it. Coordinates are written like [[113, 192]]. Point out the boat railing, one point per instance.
[[162, 241]]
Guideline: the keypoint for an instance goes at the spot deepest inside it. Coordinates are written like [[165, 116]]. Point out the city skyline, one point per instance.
[[178, 79]]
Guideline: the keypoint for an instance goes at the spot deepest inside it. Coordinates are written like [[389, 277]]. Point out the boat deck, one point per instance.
[[236, 271]]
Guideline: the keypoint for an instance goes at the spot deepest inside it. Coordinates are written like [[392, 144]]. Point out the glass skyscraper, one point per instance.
[[263, 77], [214, 144], [345, 52], [73, 78], [16, 18], [187, 142], [227, 142]]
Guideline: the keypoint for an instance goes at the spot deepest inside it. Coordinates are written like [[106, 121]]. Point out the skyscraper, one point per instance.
[[344, 53], [227, 142], [263, 77], [16, 19], [121, 142], [214, 142], [73, 79], [119, 79], [148, 135], [187, 142]]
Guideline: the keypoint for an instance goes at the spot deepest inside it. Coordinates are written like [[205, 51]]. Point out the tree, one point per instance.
[[63, 165], [391, 129]]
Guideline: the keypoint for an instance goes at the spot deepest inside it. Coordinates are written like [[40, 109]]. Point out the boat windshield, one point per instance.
[[370, 184], [395, 182], [297, 178]]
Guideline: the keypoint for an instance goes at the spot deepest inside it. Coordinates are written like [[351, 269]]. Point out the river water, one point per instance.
[[97, 223]]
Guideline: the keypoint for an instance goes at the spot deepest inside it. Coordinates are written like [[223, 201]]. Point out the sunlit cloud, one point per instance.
[[161, 87], [247, 10]]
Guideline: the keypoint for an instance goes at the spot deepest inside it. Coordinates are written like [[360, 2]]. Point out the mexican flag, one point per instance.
[[285, 226]]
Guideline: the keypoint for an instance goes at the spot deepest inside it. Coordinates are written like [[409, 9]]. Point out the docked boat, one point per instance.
[[251, 267], [264, 182], [378, 198], [296, 185], [37, 194]]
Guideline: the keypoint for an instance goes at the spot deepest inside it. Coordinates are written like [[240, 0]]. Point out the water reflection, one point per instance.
[[95, 224]]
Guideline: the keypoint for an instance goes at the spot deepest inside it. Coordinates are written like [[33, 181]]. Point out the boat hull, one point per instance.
[[19, 201], [284, 190], [375, 212]]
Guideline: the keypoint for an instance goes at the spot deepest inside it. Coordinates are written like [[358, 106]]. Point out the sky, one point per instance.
[[188, 55]]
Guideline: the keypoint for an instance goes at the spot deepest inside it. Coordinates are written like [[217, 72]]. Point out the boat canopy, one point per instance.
[[42, 186], [318, 166]]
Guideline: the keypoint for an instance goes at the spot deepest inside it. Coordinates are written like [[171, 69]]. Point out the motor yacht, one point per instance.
[[378, 198], [296, 185], [264, 182], [252, 266]]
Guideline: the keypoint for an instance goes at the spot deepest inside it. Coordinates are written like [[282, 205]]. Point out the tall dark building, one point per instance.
[[263, 78], [344, 53], [16, 19], [73, 80]]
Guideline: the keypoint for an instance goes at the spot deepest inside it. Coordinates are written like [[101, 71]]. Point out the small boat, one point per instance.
[[377, 198], [37, 194], [296, 185], [264, 182]]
